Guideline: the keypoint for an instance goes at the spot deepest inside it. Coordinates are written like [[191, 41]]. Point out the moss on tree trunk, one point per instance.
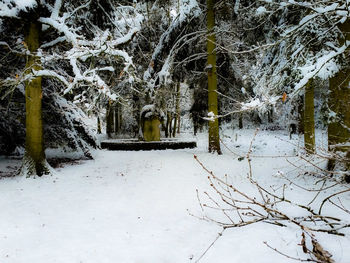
[[339, 106], [35, 154], [309, 118], [338, 102], [214, 139]]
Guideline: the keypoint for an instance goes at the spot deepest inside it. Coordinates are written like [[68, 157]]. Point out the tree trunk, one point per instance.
[[300, 113], [117, 118], [178, 112], [34, 160], [99, 125], [214, 139], [309, 118], [270, 116], [240, 121], [177, 109], [338, 103], [110, 119], [170, 123]]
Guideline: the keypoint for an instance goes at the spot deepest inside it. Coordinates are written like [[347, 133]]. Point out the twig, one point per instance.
[[212, 243], [323, 202]]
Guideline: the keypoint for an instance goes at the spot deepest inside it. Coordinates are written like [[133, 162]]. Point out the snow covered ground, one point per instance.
[[135, 207]]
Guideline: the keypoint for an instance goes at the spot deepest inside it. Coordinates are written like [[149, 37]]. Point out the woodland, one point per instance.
[[241, 109]]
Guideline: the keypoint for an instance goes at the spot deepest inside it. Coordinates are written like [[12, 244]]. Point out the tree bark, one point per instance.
[[177, 110], [34, 152], [338, 102], [117, 118], [309, 118], [170, 116], [99, 125], [300, 109], [110, 119], [214, 138], [240, 121]]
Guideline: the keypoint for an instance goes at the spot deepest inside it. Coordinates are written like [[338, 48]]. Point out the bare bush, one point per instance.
[[238, 209]]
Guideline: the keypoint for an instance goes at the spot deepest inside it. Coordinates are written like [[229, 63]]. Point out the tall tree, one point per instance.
[[177, 109], [214, 138], [338, 101], [74, 28], [34, 160], [309, 117], [110, 128]]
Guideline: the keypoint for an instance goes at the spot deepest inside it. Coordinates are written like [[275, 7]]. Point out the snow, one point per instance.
[[132, 207], [151, 110], [54, 42], [211, 116], [60, 26], [326, 9], [324, 67], [189, 9], [148, 108], [304, 21], [260, 10], [236, 8], [252, 104], [10, 8]]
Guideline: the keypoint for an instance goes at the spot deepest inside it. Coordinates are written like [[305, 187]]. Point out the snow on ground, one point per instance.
[[133, 207]]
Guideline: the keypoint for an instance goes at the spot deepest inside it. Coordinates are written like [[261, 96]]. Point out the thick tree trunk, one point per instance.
[[339, 106], [214, 139], [338, 103], [34, 160], [309, 118]]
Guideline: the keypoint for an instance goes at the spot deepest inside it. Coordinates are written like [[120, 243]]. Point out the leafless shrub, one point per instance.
[[240, 209]]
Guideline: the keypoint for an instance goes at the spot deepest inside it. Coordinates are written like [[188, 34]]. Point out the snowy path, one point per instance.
[[132, 207]]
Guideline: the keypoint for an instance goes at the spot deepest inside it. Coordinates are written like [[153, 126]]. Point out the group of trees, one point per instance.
[[307, 51], [112, 56], [69, 43]]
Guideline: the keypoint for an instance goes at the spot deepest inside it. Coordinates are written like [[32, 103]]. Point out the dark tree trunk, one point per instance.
[[240, 121], [110, 119]]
